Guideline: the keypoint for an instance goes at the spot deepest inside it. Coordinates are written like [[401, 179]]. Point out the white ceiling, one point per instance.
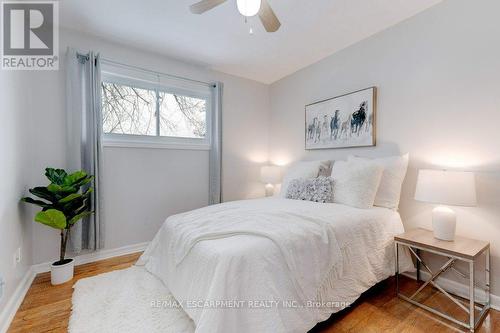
[[219, 39]]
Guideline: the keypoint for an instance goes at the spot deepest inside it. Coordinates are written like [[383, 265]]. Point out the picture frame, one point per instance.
[[344, 121]]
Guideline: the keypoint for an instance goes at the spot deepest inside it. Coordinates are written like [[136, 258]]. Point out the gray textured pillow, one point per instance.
[[318, 189]]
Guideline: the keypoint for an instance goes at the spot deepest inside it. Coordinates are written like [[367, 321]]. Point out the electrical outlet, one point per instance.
[[2, 284], [18, 255]]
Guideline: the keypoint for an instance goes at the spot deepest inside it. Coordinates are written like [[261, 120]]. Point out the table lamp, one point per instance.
[[270, 175], [456, 188]]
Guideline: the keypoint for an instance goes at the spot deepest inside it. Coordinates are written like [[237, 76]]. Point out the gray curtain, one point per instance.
[[215, 159], [83, 109]]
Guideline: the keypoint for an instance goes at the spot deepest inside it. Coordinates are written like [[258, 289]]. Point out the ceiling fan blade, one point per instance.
[[204, 5], [268, 18]]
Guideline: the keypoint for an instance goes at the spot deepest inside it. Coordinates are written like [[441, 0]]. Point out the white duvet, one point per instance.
[[272, 265]]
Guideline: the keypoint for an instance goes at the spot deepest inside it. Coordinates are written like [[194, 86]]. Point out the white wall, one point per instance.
[[141, 187], [438, 75], [15, 158]]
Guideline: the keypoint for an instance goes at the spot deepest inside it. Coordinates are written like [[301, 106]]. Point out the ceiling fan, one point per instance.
[[246, 8]]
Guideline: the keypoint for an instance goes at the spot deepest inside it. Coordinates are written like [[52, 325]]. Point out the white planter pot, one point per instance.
[[61, 273]]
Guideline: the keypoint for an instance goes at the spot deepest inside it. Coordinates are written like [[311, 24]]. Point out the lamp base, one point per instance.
[[269, 190], [444, 222]]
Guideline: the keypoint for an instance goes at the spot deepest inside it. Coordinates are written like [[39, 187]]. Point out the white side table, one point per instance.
[[461, 249]]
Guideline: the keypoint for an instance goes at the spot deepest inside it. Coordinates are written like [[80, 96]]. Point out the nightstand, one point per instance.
[[461, 249]]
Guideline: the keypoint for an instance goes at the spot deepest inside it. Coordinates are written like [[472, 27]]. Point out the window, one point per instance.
[[142, 113], [128, 110], [182, 116]]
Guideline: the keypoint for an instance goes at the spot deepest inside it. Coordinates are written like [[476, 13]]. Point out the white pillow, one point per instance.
[[356, 183], [389, 191], [309, 169]]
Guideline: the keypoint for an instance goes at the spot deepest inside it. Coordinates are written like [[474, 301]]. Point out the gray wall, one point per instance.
[[141, 187], [15, 154], [438, 79]]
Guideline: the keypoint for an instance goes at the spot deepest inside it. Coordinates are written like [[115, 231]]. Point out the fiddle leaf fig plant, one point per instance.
[[62, 202]]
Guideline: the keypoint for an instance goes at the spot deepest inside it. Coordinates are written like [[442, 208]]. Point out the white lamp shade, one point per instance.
[[446, 187], [248, 7], [270, 174]]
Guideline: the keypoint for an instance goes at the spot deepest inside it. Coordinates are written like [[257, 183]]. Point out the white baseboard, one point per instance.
[[14, 302], [459, 289], [8, 313], [96, 256]]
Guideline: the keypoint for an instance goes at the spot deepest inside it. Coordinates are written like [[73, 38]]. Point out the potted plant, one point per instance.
[[63, 205]]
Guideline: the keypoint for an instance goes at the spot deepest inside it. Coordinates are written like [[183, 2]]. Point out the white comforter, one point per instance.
[[271, 265]]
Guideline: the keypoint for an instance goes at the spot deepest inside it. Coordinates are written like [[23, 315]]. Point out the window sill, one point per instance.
[[112, 143]]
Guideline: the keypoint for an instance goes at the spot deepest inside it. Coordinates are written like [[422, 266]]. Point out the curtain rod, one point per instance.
[[112, 62]]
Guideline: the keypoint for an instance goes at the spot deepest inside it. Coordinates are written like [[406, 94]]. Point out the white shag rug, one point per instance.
[[126, 301]]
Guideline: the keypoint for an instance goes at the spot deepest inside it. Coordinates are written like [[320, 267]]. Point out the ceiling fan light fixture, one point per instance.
[[248, 7]]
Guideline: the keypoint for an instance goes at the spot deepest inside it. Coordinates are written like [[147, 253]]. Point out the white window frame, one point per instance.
[[157, 141]]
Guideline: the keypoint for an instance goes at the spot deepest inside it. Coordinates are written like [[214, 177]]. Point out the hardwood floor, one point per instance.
[[47, 308], [379, 310]]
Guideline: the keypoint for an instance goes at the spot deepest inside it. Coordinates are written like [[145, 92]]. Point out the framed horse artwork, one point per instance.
[[343, 121]]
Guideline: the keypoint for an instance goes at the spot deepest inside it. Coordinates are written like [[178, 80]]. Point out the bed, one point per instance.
[[273, 264]]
